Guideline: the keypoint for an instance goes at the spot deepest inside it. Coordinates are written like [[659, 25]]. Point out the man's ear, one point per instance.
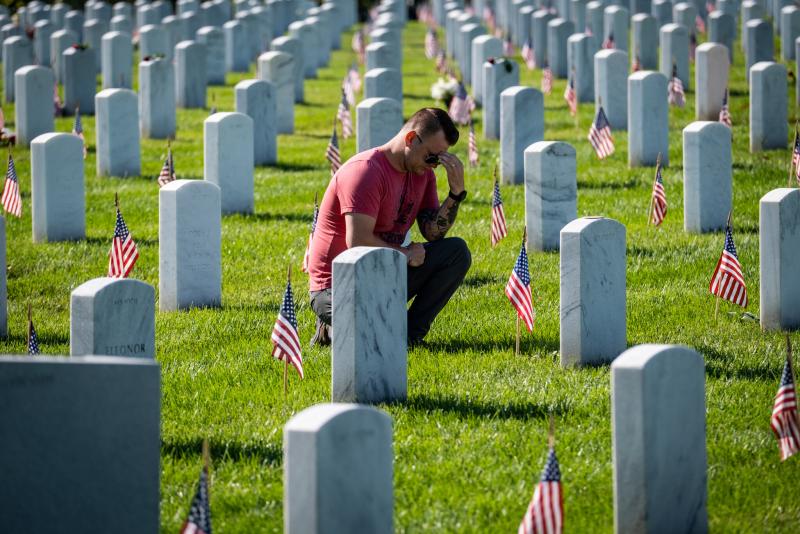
[[410, 137]]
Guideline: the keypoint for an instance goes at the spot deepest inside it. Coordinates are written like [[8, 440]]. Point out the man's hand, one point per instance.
[[455, 171], [415, 253]]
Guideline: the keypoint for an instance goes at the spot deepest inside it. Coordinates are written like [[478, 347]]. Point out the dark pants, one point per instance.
[[432, 283]]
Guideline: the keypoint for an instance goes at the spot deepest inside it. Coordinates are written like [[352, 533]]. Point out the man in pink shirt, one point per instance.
[[373, 201]]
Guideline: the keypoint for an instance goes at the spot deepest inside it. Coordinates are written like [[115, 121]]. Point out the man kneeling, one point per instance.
[[373, 200]]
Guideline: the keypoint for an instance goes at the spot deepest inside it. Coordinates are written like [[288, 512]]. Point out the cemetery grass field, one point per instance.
[[470, 442]]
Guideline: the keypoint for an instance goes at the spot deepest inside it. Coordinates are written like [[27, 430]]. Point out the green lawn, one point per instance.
[[471, 440]]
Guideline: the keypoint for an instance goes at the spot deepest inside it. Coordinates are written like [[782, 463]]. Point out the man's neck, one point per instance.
[[394, 150]]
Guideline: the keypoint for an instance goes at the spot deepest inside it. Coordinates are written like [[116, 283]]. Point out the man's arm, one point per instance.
[[360, 232], [434, 224]]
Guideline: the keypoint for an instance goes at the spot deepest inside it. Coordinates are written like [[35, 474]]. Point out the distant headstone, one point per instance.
[[58, 207], [189, 245], [377, 121], [41, 42], [592, 291], [73, 21], [594, 22], [214, 40], [615, 23], [228, 159], [191, 23], [577, 14], [645, 41], [662, 11], [256, 99], [117, 60], [611, 86], [722, 30], [190, 74], [98, 417], [675, 52], [498, 75], [120, 23], [60, 40], [483, 47], [759, 38], [278, 69], [156, 98], [540, 31], [113, 316], [707, 176], [450, 32], [117, 129], [685, 14], [779, 250], [790, 30], [551, 190], [294, 47], [580, 61], [79, 80], [381, 55], [176, 32], [153, 41], [660, 479], [369, 360], [711, 80], [648, 115], [237, 58], [57, 13], [558, 31], [467, 33], [768, 114], [93, 31], [17, 53], [750, 10], [305, 33], [354, 493], [521, 124], [33, 112], [383, 83]]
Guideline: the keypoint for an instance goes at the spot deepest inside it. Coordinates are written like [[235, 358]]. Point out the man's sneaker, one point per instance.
[[322, 336]]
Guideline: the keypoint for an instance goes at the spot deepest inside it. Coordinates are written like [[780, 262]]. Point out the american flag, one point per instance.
[[123, 254], [332, 152], [528, 54], [700, 24], [355, 77], [547, 79], [307, 254], [659, 199], [588, 31], [508, 47], [199, 520], [796, 154], [12, 201], [358, 45], [285, 340], [33, 339], [488, 16], [725, 115], [784, 421], [675, 89], [727, 282], [710, 7], [472, 146], [58, 108], [637, 66], [460, 106], [2, 120], [343, 114], [349, 92], [441, 61], [518, 289], [77, 129], [571, 97], [499, 230], [608, 44], [545, 514], [600, 135], [431, 44], [167, 173]]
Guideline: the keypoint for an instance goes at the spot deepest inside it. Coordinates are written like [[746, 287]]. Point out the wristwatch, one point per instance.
[[458, 198]]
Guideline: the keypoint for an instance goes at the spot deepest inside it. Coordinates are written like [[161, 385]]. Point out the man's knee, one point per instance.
[[459, 253], [321, 305]]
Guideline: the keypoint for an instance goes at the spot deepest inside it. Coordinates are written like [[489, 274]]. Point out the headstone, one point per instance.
[[450, 32], [153, 41], [113, 316], [57, 13], [377, 121], [790, 30], [768, 114], [580, 60], [98, 417], [722, 30], [99, 10], [521, 124], [17, 53], [122, 24], [214, 41], [299, 30], [611, 86], [711, 80], [615, 22], [526, 21], [189, 245], [321, 39], [551, 190], [187, 6], [729, 7], [658, 418], [369, 359], [256, 99], [117, 61], [383, 83], [558, 31], [354, 493], [777, 8], [594, 22], [228, 159], [779, 250], [294, 47], [123, 9], [58, 210], [175, 30], [156, 98], [117, 129], [540, 31], [278, 69], [707, 176], [41, 42], [675, 51], [592, 298], [263, 27], [640, 6], [191, 23], [468, 32], [685, 14], [649, 117], [758, 34], [483, 47], [59, 41], [237, 58], [645, 41], [190, 74], [33, 112], [577, 10], [79, 80], [93, 31], [73, 21], [332, 13], [750, 10], [381, 55], [498, 76], [662, 11]]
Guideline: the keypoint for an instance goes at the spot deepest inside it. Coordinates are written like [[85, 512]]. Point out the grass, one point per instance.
[[470, 442]]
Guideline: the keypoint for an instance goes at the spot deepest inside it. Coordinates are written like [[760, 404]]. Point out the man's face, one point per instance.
[[424, 151]]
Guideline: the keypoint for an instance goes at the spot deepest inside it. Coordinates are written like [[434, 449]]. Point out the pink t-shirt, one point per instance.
[[367, 184]]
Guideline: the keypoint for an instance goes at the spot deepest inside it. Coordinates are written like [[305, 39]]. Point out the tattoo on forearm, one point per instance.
[[435, 224]]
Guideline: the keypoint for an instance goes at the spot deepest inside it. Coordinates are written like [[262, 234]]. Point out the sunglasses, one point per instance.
[[430, 159]]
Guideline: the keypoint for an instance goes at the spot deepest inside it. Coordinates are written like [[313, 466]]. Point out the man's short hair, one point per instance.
[[428, 121]]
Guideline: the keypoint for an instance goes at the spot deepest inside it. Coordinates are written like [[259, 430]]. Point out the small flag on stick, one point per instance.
[[167, 173], [12, 200], [472, 145], [570, 96], [518, 288], [33, 339], [795, 155], [77, 129], [784, 421], [431, 44], [545, 514], [123, 254], [727, 282], [725, 114], [499, 230], [343, 114], [600, 135], [332, 151], [658, 200], [528, 54], [675, 93], [199, 519], [547, 79], [461, 106], [285, 339], [608, 44]]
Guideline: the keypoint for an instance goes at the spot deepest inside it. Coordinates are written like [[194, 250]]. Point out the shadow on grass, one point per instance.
[[719, 365], [283, 166], [265, 453], [482, 280], [522, 411], [269, 217], [107, 240], [528, 346], [627, 184], [44, 338]]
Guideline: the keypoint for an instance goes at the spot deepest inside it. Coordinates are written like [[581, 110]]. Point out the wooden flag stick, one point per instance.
[[206, 455], [116, 200], [28, 342], [650, 205], [516, 351], [551, 435], [728, 224]]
